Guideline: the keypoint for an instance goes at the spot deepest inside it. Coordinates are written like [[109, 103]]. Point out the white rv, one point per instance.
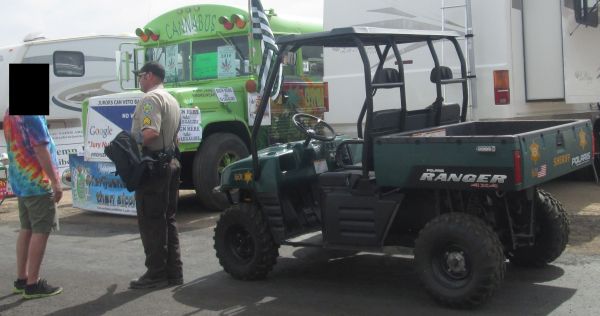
[[80, 67], [529, 58]]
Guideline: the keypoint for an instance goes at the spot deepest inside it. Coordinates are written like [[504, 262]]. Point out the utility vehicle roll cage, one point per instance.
[[361, 37]]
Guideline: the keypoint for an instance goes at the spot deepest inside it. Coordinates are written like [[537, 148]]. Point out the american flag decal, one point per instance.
[[542, 171], [261, 29]]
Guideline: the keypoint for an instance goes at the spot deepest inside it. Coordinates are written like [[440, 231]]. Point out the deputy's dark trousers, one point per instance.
[[156, 204]]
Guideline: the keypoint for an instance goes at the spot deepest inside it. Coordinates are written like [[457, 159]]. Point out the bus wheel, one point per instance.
[[217, 151]]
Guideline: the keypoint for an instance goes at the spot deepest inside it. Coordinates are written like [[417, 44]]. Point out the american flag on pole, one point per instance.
[[262, 30]]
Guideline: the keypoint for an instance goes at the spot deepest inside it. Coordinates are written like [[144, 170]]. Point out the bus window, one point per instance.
[[312, 57], [220, 58], [175, 59], [307, 68]]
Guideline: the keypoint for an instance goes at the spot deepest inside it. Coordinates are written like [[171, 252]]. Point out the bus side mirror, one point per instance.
[[586, 12]]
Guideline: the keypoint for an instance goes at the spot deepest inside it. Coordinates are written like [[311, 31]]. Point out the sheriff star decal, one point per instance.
[[246, 176], [147, 108], [147, 121], [582, 139], [535, 152]]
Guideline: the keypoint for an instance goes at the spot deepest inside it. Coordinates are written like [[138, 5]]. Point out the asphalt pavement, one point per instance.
[[94, 257]]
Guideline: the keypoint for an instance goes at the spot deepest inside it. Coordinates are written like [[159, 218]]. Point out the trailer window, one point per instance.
[[175, 59], [225, 57], [68, 64]]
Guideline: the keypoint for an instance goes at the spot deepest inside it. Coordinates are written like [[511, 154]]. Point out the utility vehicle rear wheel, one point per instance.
[[551, 233], [244, 244], [217, 152], [459, 260]]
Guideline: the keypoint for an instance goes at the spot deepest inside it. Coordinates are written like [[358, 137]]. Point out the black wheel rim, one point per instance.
[[452, 265], [240, 242]]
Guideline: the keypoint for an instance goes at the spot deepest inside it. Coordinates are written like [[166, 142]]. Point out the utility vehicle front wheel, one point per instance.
[[459, 260], [244, 244], [551, 233]]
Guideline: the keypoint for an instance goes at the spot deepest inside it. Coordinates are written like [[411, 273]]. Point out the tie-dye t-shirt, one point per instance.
[[25, 174]]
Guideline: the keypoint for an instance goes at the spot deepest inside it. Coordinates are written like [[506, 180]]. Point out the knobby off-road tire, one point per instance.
[[244, 244], [551, 233], [217, 151], [459, 259]]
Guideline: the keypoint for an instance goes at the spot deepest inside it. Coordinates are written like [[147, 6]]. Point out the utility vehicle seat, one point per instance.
[[388, 121], [387, 75], [343, 179]]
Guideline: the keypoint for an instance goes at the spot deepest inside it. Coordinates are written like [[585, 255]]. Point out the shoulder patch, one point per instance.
[[147, 121]]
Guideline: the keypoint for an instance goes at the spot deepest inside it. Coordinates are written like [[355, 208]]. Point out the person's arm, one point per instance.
[[151, 119], [45, 159]]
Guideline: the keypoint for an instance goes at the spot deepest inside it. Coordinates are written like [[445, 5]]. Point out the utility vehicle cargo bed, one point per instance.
[[505, 155]]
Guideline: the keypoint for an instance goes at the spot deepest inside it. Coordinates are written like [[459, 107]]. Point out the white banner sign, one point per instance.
[[253, 103], [191, 130], [68, 141], [225, 95]]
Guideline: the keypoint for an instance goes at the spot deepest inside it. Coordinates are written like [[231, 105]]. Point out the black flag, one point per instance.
[[262, 30]]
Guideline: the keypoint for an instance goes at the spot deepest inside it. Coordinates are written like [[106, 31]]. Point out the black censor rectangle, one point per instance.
[[29, 89]]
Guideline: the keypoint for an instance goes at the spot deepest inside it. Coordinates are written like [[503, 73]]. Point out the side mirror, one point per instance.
[[586, 12], [284, 97]]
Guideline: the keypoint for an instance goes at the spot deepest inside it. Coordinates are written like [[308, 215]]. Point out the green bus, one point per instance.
[[211, 60]]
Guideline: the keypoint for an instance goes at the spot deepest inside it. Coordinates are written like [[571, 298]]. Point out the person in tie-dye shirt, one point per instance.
[[33, 176]]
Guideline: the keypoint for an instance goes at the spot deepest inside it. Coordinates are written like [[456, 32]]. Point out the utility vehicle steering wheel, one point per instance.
[[313, 127]]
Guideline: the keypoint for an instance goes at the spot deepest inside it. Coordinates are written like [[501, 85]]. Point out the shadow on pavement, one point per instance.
[[8, 306], [105, 225], [189, 217], [102, 304], [359, 285], [532, 275]]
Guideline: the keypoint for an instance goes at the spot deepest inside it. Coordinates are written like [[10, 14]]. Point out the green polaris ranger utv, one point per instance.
[[463, 194]]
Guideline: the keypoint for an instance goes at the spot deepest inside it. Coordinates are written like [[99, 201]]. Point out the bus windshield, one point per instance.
[[220, 58]]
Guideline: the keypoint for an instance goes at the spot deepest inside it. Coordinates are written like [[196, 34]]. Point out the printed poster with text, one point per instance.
[[253, 103], [107, 117], [190, 130]]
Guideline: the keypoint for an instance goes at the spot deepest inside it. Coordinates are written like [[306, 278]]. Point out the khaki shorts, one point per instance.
[[38, 213]]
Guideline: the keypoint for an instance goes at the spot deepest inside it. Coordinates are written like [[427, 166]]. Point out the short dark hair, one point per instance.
[[154, 67]]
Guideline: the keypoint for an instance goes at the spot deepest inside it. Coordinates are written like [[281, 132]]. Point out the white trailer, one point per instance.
[[530, 59], [80, 67]]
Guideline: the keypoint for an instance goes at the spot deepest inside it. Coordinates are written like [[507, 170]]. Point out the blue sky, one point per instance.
[[64, 18]]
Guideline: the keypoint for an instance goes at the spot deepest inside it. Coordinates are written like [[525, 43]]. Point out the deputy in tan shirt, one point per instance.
[[155, 126]]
